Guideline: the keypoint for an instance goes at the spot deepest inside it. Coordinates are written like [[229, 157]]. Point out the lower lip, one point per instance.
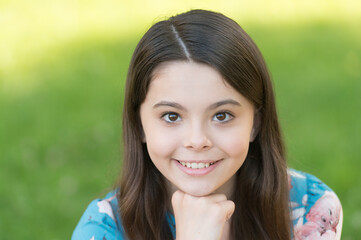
[[197, 171]]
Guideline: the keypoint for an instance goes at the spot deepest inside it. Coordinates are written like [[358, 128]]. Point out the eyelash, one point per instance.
[[228, 116], [167, 114]]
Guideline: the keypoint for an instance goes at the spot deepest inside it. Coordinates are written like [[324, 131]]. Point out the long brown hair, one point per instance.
[[261, 192]]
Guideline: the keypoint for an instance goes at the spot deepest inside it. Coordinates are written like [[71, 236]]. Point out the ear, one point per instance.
[[256, 125]]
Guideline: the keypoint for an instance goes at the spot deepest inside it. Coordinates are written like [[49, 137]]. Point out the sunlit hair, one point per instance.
[[261, 192]]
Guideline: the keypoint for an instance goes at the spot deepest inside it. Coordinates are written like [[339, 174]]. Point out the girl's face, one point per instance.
[[197, 127]]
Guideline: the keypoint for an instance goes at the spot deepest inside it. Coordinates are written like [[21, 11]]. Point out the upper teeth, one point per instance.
[[196, 165]]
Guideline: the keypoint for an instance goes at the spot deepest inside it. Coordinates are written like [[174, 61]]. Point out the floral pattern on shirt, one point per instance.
[[316, 213], [315, 209]]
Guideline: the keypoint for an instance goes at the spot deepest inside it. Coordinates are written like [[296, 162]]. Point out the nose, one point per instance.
[[197, 138]]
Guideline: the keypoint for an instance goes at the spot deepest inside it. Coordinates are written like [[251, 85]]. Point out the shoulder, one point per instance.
[[100, 220], [315, 209]]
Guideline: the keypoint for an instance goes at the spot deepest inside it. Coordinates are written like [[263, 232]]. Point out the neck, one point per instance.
[[226, 234]]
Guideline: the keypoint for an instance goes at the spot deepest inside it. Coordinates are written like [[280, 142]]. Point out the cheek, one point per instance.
[[159, 143], [236, 145]]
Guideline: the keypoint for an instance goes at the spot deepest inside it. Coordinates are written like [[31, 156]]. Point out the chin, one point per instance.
[[197, 192]]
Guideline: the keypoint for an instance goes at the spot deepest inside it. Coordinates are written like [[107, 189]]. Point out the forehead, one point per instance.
[[187, 75], [191, 83]]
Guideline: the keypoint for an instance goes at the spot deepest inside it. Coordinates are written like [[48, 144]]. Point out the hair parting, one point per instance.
[[181, 43]]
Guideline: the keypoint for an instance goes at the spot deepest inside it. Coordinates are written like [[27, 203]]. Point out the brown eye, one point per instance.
[[171, 117], [223, 117]]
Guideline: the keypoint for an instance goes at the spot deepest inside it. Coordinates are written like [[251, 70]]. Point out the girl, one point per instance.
[[203, 153]]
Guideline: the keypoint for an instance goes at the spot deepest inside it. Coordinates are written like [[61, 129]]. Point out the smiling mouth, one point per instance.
[[194, 165]]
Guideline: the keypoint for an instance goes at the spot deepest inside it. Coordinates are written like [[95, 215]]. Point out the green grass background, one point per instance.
[[62, 71]]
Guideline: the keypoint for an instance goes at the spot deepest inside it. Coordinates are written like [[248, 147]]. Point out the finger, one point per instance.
[[177, 197], [213, 198], [228, 209], [216, 198]]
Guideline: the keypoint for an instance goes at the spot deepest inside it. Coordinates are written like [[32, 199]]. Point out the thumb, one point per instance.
[[177, 198], [228, 208]]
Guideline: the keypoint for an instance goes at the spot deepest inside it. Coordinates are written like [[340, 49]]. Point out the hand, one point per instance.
[[199, 218]]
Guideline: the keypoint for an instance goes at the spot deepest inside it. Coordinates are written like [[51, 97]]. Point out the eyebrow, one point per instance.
[[168, 104], [212, 106], [225, 102]]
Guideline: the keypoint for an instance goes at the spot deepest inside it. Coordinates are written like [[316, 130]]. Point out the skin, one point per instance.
[[191, 114]]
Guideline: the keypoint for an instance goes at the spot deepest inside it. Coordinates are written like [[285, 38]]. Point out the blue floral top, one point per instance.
[[316, 213]]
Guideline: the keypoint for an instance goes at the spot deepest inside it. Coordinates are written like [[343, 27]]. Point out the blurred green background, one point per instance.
[[62, 70]]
